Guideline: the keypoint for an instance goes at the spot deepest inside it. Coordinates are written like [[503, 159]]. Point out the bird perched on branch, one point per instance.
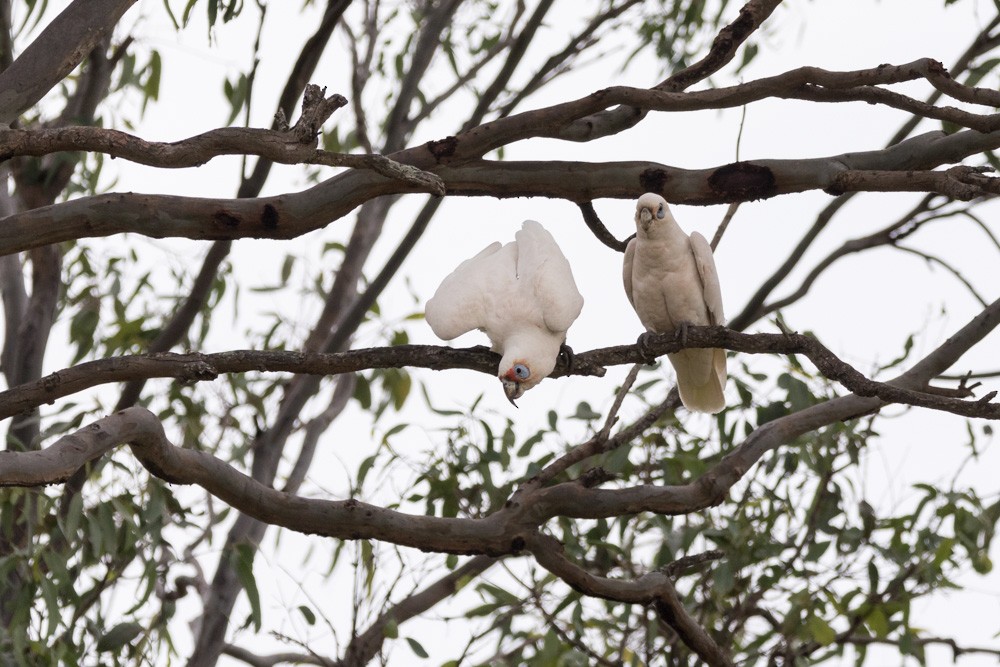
[[671, 281], [522, 295]]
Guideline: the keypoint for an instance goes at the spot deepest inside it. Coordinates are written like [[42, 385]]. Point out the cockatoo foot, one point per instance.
[[643, 344], [681, 333], [567, 357]]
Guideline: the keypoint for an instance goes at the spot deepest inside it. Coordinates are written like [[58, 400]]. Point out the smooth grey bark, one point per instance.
[[61, 46]]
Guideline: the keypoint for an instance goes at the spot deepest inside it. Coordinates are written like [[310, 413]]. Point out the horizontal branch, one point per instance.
[[956, 648], [274, 659], [809, 83], [282, 146], [195, 367], [457, 161], [961, 182], [291, 215]]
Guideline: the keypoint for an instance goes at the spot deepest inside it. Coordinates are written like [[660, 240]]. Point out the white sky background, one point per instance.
[[863, 308]]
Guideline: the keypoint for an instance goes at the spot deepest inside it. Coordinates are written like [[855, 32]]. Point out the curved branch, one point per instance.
[[805, 83], [933, 259], [752, 15], [723, 50], [343, 519], [888, 235], [600, 231], [654, 588]]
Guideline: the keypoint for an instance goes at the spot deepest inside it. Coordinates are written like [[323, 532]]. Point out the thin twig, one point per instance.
[[612, 417], [730, 212]]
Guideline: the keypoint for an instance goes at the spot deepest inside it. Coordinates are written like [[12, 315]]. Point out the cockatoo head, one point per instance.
[[649, 208], [519, 374]]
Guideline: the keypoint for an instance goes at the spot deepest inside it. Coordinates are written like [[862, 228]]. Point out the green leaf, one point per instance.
[[390, 629], [170, 13], [585, 412], [400, 388], [307, 614], [417, 648], [286, 268], [118, 636], [51, 603], [242, 560], [877, 622], [363, 392], [981, 563], [499, 594], [821, 631], [364, 469], [151, 87]]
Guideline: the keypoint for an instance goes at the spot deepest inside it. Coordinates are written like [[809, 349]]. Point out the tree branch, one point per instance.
[[291, 215], [727, 42], [196, 367], [598, 228], [61, 46], [956, 649], [365, 646], [752, 311], [652, 588], [506, 531], [255, 660]]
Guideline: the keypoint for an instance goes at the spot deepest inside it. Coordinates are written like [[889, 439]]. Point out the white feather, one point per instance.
[[521, 294], [670, 279]]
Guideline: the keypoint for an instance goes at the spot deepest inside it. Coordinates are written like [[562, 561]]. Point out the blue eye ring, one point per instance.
[[660, 212], [521, 371]]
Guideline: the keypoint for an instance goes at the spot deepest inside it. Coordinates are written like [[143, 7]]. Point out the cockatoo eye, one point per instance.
[[521, 371], [660, 212]]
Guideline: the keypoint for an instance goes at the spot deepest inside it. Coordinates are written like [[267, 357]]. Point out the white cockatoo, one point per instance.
[[671, 280], [522, 295]]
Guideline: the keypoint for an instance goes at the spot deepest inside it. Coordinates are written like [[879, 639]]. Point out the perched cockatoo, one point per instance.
[[671, 280], [522, 295]]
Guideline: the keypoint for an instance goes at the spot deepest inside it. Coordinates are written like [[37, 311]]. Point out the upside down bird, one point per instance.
[[671, 281], [522, 295]]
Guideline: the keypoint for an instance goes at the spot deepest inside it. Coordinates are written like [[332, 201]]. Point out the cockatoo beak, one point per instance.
[[644, 218], [512, 389]]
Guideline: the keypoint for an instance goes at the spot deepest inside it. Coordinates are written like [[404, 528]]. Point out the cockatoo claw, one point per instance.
[[568, 357], [643, 344], [681, 333]]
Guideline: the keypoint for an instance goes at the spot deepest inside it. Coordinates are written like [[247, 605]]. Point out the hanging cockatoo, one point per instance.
[[671, 280], [522, 295]]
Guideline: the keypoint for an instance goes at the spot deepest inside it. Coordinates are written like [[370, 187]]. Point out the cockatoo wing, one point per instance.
[[712, 291], [700, 392], [542, 267], [457, 306], [627, 270]]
